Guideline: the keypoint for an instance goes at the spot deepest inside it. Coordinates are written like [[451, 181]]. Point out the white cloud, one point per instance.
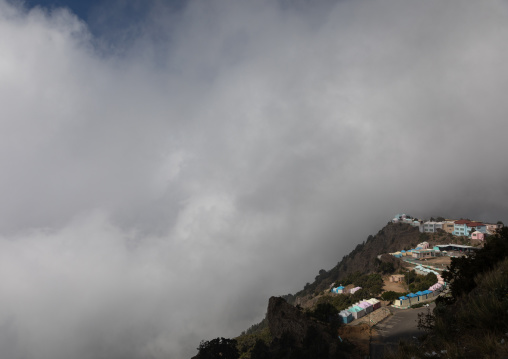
[[156, 193]]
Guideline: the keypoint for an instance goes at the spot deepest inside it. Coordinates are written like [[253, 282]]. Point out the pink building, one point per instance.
[[478, 235], [366, 305], [355, 289]]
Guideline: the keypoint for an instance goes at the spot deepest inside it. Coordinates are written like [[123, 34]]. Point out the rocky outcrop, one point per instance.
[[284, 318], [289, 321]]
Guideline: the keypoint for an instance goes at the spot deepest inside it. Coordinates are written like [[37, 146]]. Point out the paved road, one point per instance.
[[401, 325]]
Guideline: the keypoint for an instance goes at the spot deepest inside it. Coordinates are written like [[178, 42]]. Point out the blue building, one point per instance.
[[465, 227]]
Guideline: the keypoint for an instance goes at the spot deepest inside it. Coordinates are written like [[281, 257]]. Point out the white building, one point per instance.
[[431, 227]]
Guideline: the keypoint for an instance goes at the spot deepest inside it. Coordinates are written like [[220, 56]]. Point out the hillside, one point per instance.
[[364, 258], [472, 322], [290, 331], [304, 329]]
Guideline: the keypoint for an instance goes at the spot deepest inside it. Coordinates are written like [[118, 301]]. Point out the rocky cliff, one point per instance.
[[283, 318]]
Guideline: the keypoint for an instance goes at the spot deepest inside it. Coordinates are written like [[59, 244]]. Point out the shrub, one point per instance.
[[391, 295], [218, 348]]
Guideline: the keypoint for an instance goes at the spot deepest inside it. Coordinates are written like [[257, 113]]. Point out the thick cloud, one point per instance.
[[161, 181]]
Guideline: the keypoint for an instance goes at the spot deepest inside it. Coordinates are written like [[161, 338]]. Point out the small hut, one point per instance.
[[338, 290], [355, 289], [402, 302], [356, 311], [346, 316], [413, 298], [429, 293], [366, 305], [376, 304]]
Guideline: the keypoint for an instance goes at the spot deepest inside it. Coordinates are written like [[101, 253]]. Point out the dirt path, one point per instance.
[[362, 331], [396, 287]]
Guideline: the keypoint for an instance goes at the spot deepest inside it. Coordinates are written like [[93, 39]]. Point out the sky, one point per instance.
[[166, 167]]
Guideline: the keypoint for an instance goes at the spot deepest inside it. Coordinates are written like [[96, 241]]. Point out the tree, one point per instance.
[[391, 295], [426, 321], [314, 345], [324, 312], [462, 271], [260, 350], [386, 267], [219, 348]]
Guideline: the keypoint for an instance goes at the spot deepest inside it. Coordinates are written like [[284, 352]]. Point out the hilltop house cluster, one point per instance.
[[461, 227], [343, 290], [414, 298], [359, 310], [422, 251]]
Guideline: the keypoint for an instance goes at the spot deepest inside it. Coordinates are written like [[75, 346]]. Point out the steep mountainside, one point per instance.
[[364, 258], [296, 331]]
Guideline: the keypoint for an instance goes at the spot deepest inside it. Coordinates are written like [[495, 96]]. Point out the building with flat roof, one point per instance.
[[464, 227], [449, 226], [425, 253], [492, 228], [456, 248], [397, 278], [431, 227]]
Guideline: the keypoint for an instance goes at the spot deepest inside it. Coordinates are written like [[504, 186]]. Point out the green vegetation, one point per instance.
[[339, 301], [372, 284], [385, 267], [419, 305], [364, 259], [419, 282], [218, 348], [262, 345], [256, 328], [324, 312], [314, 345], [473, 320], [462, 271], [327, 313], [391, 295], [251, 346]]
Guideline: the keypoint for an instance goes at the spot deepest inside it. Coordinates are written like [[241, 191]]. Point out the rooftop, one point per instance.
[[455, 245]]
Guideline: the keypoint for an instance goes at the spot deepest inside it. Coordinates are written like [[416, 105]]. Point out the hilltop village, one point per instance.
[[423, 260], [457, 227]]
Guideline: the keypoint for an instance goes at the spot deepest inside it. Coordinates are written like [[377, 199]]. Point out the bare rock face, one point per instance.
[[284, 318]]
